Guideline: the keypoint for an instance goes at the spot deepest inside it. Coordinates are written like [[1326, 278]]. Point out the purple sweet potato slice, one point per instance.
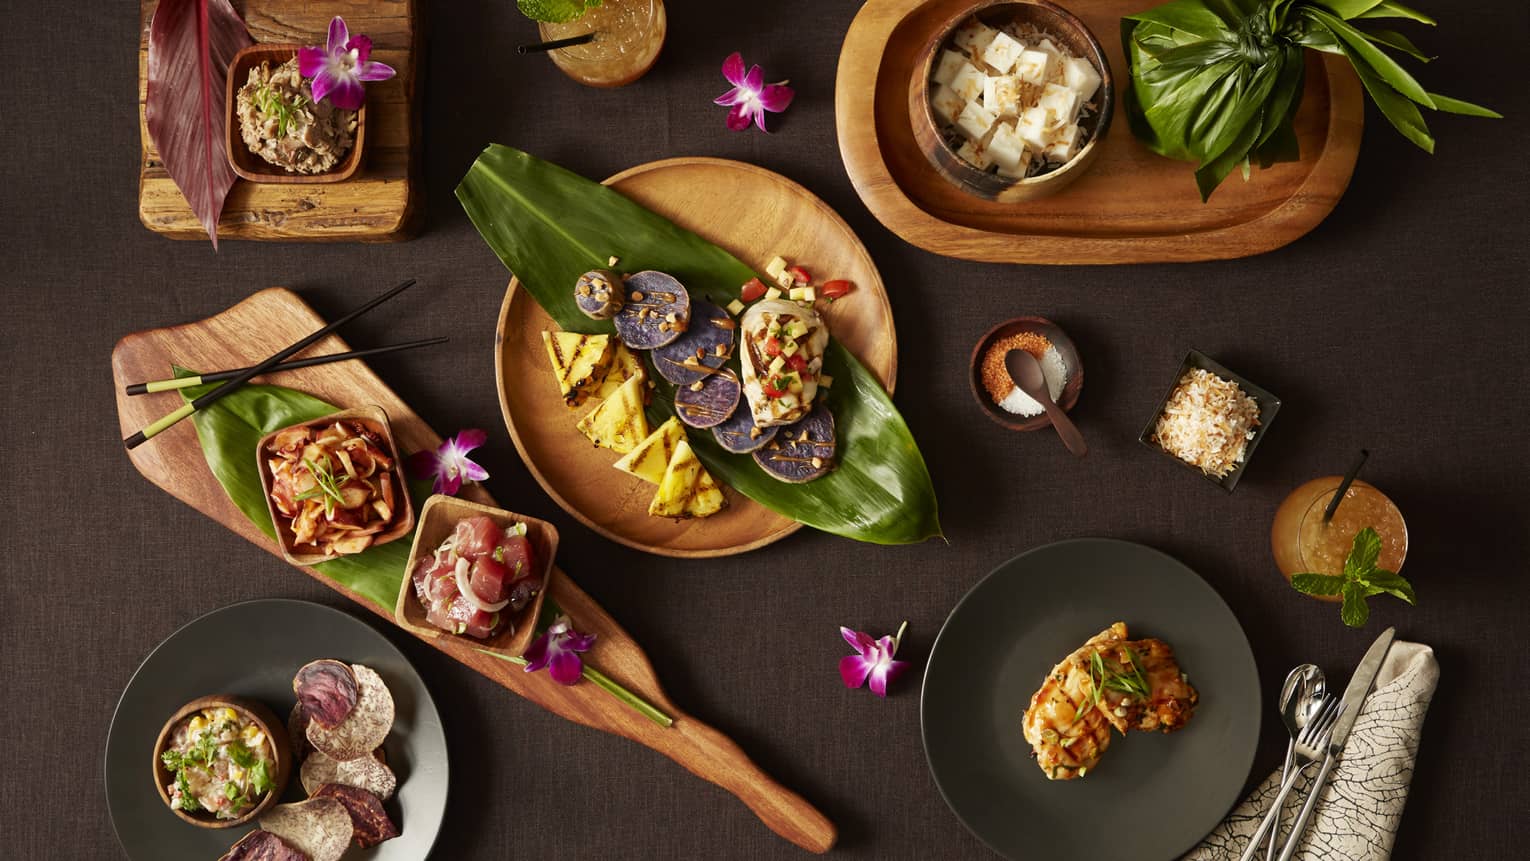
[[319, 827], [803, 451], [327, 691], [261, 845], [706, 345], [740, 435], [708, 402], [656, 312], [367, 726], [370, 823], [599, 294], [365, 772]]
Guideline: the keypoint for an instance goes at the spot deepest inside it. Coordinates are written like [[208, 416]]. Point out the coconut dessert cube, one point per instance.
[[973, 37], [950, 63], [1033, 66], [968, 82], [1001, 94], [1006, 148], [975, 121], [1061, 102], [1002, 52], [1080, 77], [947, 103], [975, 155], [1019, 169], [1051, 48], [1064, 145], [1032, 127]]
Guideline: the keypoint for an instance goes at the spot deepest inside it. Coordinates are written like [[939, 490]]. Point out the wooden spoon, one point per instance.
[[1027, 375]]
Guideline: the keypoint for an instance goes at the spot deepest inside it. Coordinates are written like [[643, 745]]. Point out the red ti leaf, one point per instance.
[[191, 43]]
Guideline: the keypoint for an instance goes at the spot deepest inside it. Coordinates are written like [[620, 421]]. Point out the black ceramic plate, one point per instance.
[[1152, 796], [251, 650]]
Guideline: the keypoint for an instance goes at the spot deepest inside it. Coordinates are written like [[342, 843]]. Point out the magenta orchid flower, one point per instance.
[[751, 97], [558, 650], [449, 464], [874, 660], [339, 68]]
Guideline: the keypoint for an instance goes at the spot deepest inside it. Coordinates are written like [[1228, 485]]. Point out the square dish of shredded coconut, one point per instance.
[[1207, 422]]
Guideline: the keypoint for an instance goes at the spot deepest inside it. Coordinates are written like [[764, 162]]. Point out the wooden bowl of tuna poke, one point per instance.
[[477, 572], [217, 745]]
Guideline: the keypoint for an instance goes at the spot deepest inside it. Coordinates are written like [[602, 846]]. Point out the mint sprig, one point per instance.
[[554, 11], [1361, 580]]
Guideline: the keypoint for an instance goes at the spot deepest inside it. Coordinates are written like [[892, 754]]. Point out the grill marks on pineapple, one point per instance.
[[580, 363]]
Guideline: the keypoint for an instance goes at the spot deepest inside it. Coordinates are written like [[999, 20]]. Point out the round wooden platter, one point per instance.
[[755, 214], [1133, 206]]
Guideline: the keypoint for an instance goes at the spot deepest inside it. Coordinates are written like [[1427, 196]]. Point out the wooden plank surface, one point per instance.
[[270, 319], [1132, 206], [383, 202]]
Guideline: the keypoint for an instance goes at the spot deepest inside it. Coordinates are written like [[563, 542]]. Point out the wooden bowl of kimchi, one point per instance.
[[335, 485]]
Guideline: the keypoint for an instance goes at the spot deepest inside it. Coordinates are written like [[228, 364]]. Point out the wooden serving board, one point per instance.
[[382, 202], [270, 319], [1132, 206], [781, 217]]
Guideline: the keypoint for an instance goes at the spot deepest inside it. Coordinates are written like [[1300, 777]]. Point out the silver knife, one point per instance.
[[1354, 696]]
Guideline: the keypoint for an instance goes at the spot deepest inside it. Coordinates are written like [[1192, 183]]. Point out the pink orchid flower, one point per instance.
[[751, 97], [557, 650], [874, 660], [449, 464], [339, 68]]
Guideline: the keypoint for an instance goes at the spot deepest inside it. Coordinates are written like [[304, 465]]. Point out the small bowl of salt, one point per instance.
[[997, 393]]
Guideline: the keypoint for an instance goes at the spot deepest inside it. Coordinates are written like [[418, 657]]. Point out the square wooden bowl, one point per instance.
[[252, 167], [377, 419], [438, 518], [1269, 405]]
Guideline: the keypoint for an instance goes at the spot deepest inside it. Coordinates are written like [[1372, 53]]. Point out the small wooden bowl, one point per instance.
[[1069, 353], [438, 518], [403, 519], [252, 167], [1064, 28], [250, 710]]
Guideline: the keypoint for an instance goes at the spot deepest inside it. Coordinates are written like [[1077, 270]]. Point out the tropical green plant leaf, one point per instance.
[[1355, 611], [1396, 40], [1389, 69], [1347, 9], [1401, 112], [1388, 9], [548, 225], [1191, 16], [1456, 106], [1318, 584], [229, 431]]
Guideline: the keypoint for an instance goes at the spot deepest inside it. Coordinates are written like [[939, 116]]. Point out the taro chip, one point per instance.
[[803, 451], [320, 827], [704, 347], [368, 725], [327, 690], [657, 311], [297, 732], [740, 435], [370, 823], [364, 772], [710, 402], [262, 846]]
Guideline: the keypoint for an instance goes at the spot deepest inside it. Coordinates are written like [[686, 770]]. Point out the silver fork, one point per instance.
[[1309, 748]]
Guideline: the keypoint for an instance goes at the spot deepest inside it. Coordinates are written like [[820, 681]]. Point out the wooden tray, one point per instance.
[[761, 215], [269, 320], [383, 202], [1133, 206]]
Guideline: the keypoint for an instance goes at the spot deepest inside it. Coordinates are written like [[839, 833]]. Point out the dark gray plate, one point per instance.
[[1153, 796], [252, 649]]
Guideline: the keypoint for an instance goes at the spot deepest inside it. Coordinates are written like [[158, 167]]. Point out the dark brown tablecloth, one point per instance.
[[1399, 325]]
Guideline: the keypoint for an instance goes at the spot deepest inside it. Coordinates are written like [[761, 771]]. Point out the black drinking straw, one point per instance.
[[1349, 478], [556, 44]]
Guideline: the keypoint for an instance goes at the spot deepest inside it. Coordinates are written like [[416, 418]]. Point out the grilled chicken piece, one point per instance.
[[1171, 698], [1067, 732]]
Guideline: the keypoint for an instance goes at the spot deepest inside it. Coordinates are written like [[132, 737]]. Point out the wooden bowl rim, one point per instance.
[[400, 528], [441, 506], [234, 146], [1065, 347], [971, 177], [258, 713]]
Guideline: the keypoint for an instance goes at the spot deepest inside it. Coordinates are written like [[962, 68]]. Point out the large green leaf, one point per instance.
[[548, 225], [229, 431]]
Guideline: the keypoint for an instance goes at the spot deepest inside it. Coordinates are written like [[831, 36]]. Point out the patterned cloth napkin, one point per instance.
[[1361, 807]]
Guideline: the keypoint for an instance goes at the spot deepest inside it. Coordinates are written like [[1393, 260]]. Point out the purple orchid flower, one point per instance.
[[751, 97], [449, 465], [339, 68], [557, 650], [874, 660]]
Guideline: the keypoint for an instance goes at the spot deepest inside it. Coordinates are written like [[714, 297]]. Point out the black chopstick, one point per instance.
[[244, 376], [175, 383]]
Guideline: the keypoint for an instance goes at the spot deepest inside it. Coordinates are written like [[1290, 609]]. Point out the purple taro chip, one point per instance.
[[657, 310], [704, 347], [710, 401], [740, 435], [803, 451]]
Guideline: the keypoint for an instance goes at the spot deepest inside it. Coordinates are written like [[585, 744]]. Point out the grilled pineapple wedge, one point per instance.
[[625, 365], [618, 423], [678, 484], [708, 498], [579, 363], [652, 456]]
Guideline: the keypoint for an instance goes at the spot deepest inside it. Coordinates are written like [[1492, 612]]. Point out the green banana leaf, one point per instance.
[[548, 225], [231, 428]]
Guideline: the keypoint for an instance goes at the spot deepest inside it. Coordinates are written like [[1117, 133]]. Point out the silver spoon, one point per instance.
[[1300, 698], [1027, 375]]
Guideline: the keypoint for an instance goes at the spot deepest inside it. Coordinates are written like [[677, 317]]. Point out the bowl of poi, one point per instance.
[[997, 393]]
